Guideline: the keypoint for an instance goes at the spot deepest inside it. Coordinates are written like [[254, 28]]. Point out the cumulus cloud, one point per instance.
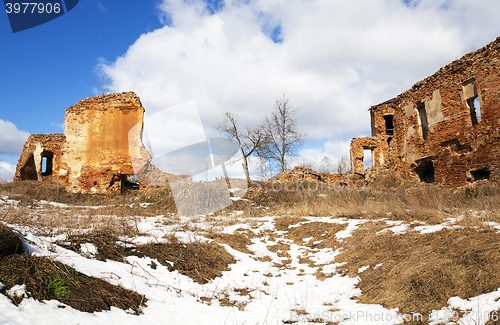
[[7, 171], [11, 138], [332, 59]]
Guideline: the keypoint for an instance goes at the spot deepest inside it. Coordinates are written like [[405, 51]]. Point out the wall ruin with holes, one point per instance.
[[100, 147], [41, 159], [445, 129]]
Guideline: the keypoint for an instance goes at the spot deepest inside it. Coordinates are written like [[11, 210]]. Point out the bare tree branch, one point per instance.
[[249, 140], [280, 132]]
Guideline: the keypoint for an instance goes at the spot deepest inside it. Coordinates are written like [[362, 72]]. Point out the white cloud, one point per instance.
[[58, 125], [11, 138], [7, 171], [173, 128], [335, 60], [333, 150]]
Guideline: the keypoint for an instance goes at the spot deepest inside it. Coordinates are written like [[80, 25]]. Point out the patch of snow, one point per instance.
[[352, 225], [397, 230], [364, 268], [88, 249], [492, 224], [19, 290], [429, 229], [236, 198], [477, 310]]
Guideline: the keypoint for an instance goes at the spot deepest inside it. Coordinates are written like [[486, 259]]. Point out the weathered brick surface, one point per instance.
[[29, 166], [97, 141], [102, 144], [456, 147]]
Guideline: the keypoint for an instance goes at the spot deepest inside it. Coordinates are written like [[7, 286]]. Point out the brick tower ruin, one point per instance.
[[101, 145]]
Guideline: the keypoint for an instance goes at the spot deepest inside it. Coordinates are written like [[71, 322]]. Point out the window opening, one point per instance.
[[472, 100], [47, 158], [131, 182], [389, 124], [422, 117], [368, 158], [480, 174], [475, 109], [44, 165], [425, 171]]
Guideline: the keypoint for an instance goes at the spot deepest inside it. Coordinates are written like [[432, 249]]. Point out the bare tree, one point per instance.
[[308, 165], [342, 165], [326, 165], [249, 140], [281, 136], [265, 169]]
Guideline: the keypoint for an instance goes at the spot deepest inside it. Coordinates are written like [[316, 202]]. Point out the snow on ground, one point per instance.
[[275, 294]]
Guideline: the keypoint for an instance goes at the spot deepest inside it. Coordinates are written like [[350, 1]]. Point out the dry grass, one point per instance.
[[321, 233], [52, 221], [201, 261], [237, 241], [28, 191], [84, 293], [424, 202], [421, 271]]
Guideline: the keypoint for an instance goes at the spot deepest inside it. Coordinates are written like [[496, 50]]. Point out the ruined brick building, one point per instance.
[[445, 129], [100, 147]]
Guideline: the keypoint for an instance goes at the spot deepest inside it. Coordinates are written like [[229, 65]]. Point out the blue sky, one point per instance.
[[52, 66], [46, 69], [332, 59]]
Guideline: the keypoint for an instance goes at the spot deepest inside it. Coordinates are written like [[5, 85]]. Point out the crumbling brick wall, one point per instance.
[[101, 146], [41, 159], [97, 149], [445, 129]]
